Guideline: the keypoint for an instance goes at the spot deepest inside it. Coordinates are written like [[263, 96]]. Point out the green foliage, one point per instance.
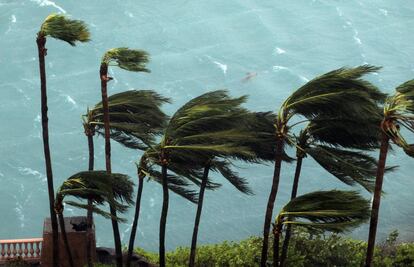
[[306, 249], [135, 118], [127, 59], [60, 27], [334, 210], [341, 91], [399, 112], [99, 187]]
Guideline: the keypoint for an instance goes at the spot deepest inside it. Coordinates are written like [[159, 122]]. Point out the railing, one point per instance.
[[27, 249]]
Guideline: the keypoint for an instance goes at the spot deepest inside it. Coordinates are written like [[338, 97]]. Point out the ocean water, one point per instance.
[[195, 46]]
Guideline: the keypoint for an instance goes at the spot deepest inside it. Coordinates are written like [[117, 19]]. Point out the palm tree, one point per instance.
[[398, 111], [131, 60], [70, 31], [335, 211], [234, 132], [191, 139], [135, 120], [97, 187], [327, 141], [341, 92]]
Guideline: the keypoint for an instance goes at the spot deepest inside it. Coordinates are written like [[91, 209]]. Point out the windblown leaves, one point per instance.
[[60, 27], [127, 59], [399, 112], [350, 167], [341, 91], [135, 117], [99, 187], [334, 210]]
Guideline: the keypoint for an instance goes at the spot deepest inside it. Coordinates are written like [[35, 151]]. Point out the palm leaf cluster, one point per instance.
[[127, 59], [99, 187], [209, 128], [60, 27], [398, 112], [334, 210], [135, 118], [340, 90]]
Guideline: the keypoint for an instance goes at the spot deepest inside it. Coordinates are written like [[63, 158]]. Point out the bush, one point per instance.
[[306, 249]]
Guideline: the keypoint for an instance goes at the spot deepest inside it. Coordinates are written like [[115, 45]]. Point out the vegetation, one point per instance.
[[131, 60], [345, 117], [336, 94], [398, 112], [308, 248], [70, 31]]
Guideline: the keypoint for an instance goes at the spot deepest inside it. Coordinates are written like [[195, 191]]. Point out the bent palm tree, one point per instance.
[[337, 93], [398, 111], [97, 187], [70, 31], [131, 60], [190, 140], [135, 120], [327, 141], [335, 211]]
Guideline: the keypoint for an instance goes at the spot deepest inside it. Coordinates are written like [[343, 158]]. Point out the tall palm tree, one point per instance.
[[70, 31], [135, 120], [398, 112], [190, 140], [97, 187], [341, 92], [335, 211], [131, 60], [327, 141], [233, 132]]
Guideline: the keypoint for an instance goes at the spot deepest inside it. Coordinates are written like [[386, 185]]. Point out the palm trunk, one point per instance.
[[104, 79], [65, 239], [198, 215], [276, 240], [89, 216], [136, 217], [163, 220], [272, 198], [41, 42], [295, 186], [377, 198]]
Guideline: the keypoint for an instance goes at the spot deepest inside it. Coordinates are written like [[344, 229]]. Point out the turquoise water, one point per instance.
[[195, 46]]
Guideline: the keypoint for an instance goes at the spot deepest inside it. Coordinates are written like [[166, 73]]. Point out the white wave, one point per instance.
[[279, 51], [222, 66], [129, 14], [339, 11], [277, 68], [356, 38], [20, 214], [13, 18], [69, 99], [29, 171], [38, 118], [303, 78], [49, 3], [383, 11]]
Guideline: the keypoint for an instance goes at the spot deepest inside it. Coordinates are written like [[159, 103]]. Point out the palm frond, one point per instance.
[[341, 91], [95, 209], [399, 112], [347, 132], [350, 167], [135, 118], [333, 210], [233, 177], [62, 28], [127, 59]]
